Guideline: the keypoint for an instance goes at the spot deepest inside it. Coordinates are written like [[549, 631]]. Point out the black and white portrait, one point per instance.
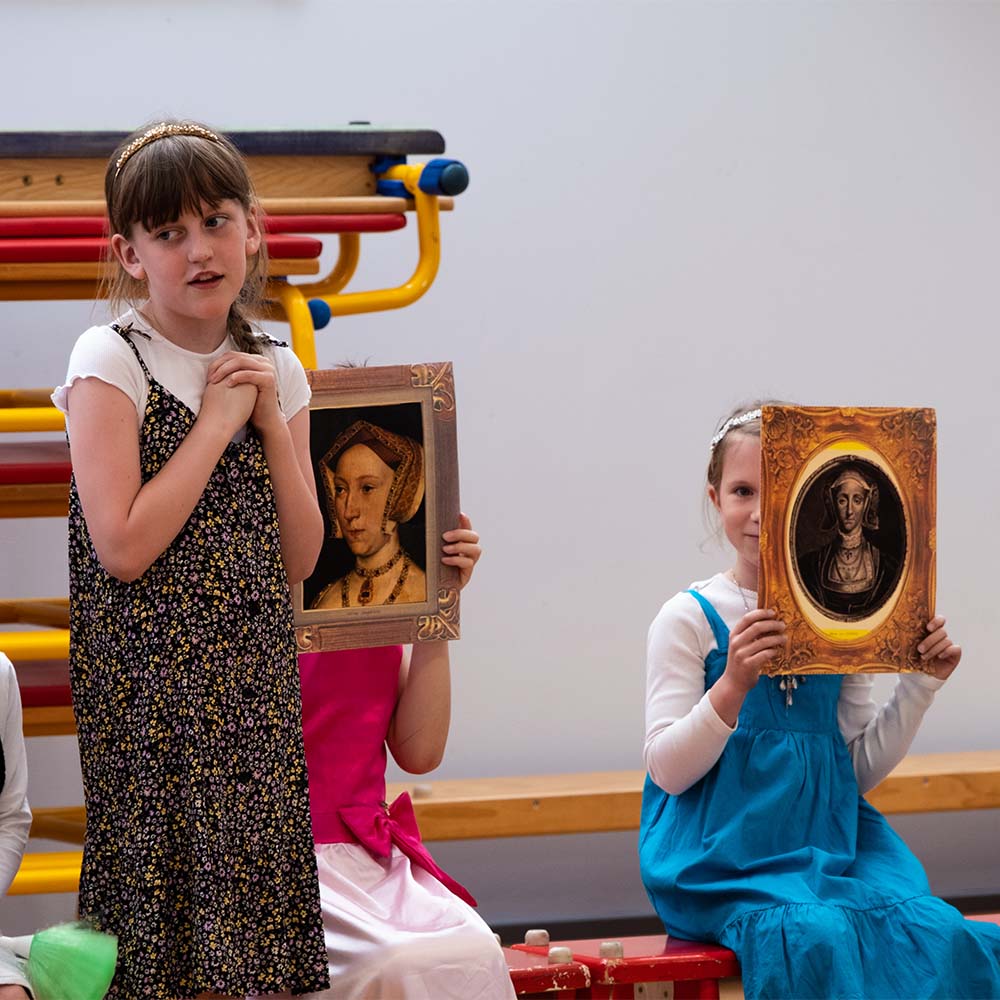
[[849, 538]]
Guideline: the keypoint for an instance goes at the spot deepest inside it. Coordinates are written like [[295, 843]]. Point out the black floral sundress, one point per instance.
[[198, 851]]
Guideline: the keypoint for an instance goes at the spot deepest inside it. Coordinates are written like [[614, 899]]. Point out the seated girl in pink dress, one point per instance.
[[396, 925]]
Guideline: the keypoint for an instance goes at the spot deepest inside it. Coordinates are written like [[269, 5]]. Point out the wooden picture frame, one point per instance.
[[403, 415], [847, 535]]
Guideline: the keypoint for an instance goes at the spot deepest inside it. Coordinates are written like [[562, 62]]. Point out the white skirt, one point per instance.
[[394, 932]]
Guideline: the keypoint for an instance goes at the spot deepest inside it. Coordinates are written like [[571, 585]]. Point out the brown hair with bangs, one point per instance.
[[166, 177]]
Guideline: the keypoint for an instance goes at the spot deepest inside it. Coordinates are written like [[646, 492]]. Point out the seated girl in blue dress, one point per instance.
[[754, 831]]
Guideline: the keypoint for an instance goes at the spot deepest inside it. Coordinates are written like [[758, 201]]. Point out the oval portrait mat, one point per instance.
[[814, 539]]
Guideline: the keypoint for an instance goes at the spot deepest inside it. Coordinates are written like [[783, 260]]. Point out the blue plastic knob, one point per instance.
[[449, 177], [320, 311]]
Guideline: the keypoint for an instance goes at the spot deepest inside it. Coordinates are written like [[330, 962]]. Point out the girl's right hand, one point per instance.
[[228, 407], [752, 643]]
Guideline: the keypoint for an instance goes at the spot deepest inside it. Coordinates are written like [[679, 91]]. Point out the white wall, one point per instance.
[[673, 206]]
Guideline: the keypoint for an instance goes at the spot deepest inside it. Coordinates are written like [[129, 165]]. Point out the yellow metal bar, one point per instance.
[[58, 871], [429, 242], [347, 263], [296, 309], [45, 644], [293, 300], [31, 418]]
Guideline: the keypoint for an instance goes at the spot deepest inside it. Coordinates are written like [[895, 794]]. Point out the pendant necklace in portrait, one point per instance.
[[366, 592], [788, 683]]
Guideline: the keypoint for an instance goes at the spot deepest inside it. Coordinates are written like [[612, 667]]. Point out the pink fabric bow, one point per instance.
[[378, 829]]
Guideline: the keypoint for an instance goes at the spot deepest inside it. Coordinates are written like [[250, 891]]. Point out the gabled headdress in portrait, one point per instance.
[[402, 454]]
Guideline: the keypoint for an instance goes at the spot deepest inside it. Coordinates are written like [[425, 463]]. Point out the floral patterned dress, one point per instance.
[[198, 852]]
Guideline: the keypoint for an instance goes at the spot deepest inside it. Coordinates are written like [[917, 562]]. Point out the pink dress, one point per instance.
[[396, 925]]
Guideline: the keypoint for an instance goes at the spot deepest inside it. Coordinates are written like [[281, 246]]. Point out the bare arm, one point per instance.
[[131, 523], [286, 448], [418, 731]]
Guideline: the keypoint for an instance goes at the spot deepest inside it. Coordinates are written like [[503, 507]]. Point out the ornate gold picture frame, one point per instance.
[[384, 452], [847, 535]]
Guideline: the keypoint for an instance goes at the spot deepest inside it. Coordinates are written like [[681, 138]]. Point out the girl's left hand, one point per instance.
[[938, 650], [462, 549], [251, 369]]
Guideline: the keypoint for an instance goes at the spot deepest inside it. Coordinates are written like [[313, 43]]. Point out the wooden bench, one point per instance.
[[530, 806], [604, 801]]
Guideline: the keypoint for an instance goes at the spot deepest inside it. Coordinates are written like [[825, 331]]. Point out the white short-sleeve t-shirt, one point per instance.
[[102, 353]]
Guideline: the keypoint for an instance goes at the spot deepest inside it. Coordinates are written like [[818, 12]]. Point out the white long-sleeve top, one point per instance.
[[684, 734], [15, 816]]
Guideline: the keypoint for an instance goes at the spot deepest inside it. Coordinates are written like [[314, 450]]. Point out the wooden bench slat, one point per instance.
[[63, 823], [599, 802], [72, 271], [310, 205]]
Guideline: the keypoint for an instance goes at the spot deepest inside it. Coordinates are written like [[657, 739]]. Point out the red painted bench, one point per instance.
[[616, 966], [534, 975]]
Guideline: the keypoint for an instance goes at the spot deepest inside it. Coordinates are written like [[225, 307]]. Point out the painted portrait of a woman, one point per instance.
[[372, 482], [852, 574]]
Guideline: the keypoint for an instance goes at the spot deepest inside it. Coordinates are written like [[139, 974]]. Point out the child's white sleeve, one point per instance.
[[293, 386], [878, 738], [684, 734], [12, 969], [15, 816], [102, 353]]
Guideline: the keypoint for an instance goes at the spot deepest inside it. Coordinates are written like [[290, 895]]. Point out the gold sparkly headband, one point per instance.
[[161, 131]]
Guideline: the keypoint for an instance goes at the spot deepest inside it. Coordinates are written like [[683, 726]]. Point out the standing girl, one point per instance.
[[192, 506], [754, 833], [396, 925]]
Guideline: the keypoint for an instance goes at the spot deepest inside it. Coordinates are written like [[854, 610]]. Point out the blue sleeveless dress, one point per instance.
[[775, 855]]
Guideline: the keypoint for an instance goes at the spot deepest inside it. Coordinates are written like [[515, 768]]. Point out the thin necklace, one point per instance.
[[788, 683]]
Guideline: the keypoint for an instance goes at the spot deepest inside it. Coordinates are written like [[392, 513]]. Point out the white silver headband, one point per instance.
[[732, 423]]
